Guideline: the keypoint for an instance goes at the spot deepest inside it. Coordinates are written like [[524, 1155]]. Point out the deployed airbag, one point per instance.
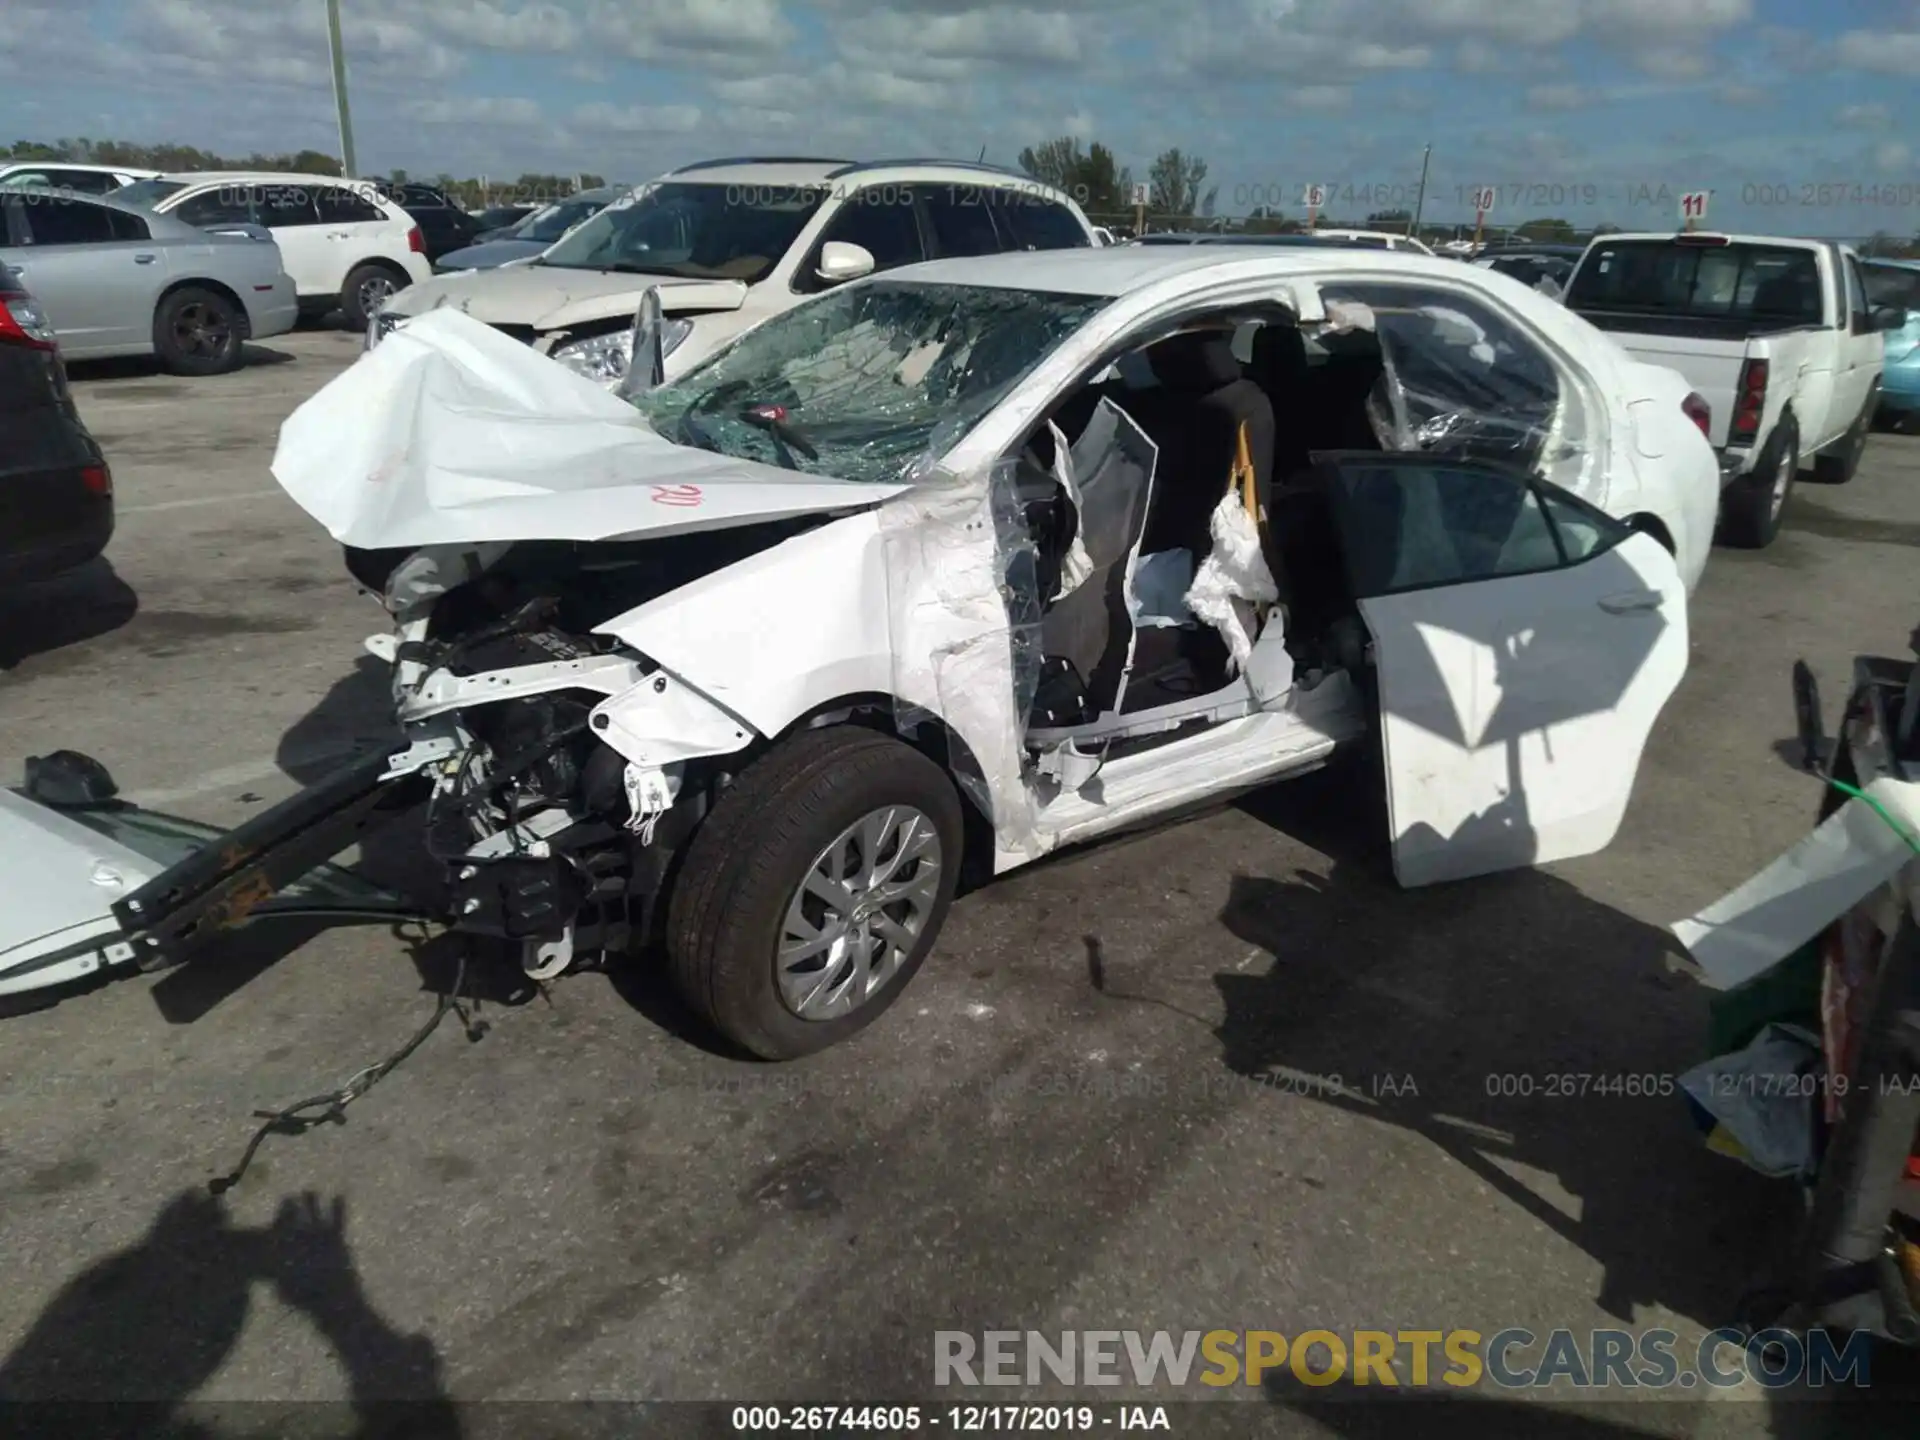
[[453, 433]]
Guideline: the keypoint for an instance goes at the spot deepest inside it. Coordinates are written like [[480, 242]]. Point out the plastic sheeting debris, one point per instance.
[[1826, 873], [1760, 1100]]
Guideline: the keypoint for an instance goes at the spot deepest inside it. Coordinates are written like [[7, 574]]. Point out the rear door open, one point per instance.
[[1524, 644]]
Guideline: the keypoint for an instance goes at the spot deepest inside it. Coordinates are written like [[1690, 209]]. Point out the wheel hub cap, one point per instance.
[[859, 913]]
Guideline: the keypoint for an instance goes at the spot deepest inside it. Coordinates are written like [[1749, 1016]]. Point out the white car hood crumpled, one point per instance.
[[451, 432]]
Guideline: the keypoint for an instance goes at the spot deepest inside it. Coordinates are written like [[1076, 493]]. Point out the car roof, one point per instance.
[[1710, 236], [1113, 271], [808, 172], [262, 177]]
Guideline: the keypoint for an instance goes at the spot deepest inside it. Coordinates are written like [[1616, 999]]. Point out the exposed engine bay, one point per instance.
[[549, 835]]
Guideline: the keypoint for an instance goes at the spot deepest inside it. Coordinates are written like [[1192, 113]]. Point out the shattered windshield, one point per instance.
[[694, 231], [862, 382]]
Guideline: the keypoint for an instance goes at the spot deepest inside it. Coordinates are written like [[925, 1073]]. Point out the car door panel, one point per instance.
[[290, 213], [1514, 701], [98, 284]]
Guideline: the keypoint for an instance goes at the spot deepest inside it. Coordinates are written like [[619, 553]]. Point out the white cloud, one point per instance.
[[474, 110], [680, 29], [1865, 117], [1561, 97], [1891, 52], [1672, 64], [1320, 97], [1892, 155], [637, 119]]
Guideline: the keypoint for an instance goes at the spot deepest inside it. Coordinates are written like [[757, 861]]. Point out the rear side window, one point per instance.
[[224, 206], [59, 220], [1409, 526], [340, 206], [279, 206], [1031, 223], [86, 182]]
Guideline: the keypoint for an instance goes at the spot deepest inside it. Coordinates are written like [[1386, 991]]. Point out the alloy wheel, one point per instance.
[[857, 916]]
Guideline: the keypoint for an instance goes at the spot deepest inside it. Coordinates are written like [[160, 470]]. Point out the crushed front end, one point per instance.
[[551, 773]]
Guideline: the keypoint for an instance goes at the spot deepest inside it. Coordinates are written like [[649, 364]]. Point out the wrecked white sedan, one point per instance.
[[951, 567]]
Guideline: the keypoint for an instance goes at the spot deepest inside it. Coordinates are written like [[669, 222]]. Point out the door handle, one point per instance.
[[1633, 600], [144, 259], [16, 269]]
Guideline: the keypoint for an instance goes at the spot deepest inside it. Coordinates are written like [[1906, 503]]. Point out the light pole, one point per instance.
[[1420, 202], [338, 51]]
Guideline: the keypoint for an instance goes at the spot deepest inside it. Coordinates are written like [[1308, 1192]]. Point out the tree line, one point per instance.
[[1179, 199]]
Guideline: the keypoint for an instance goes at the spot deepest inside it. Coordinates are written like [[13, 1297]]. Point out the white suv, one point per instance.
[[346, 246], [732, 242]]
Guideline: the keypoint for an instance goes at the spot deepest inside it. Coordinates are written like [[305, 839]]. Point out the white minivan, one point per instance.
[[346, 246]]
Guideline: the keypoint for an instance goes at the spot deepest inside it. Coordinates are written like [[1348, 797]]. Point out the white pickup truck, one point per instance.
[[1775, 335]]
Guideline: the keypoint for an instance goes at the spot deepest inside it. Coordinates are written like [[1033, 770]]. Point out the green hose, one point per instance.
[[1913, 842]]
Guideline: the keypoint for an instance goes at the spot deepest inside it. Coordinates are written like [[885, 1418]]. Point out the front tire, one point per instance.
[[197, 332], [814, 890], [1751, 511], [367, 288]]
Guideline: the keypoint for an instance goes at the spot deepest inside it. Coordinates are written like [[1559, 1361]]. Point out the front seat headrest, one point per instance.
[[1279, 349], [1201, 361]]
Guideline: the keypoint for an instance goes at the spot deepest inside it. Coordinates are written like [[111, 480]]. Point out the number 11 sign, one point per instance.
[[1693, 207]]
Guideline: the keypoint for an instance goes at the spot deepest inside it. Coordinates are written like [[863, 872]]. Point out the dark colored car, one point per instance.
[[494, 221], [56, 493], [1539, 265], [444, 224]]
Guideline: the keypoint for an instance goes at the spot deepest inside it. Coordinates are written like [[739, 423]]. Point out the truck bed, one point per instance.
[[1709, 352]]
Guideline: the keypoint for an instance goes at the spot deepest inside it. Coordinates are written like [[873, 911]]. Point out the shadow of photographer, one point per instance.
[[126, 1344]]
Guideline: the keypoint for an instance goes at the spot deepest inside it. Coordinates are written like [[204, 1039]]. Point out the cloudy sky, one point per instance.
[[1800, 115]]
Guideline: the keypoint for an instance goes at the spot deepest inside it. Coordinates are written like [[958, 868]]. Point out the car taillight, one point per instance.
[[1749, 402], [417, 241], [22, 322], [1700, 413], [98, 479]]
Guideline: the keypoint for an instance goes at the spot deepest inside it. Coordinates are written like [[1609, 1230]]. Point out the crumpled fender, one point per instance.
[[827, 616]]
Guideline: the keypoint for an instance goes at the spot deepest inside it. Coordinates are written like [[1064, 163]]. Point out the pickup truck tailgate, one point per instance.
[[1711, 367]]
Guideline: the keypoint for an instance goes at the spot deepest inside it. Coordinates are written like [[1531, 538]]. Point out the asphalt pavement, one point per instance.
[[1222, 1075]]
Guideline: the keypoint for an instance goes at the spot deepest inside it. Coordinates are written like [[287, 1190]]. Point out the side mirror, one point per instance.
[[841, 261], [1890, 317], [646, 355], [1808, 719]]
